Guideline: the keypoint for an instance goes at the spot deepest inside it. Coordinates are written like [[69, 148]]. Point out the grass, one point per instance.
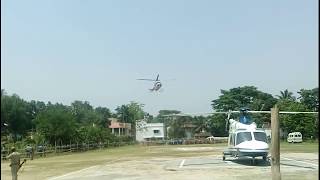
[[62, 164], [42, 168], [304, 147]]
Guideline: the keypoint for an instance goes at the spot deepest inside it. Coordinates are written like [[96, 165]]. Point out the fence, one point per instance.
[[186, 141], [81, 147], [56, 150]]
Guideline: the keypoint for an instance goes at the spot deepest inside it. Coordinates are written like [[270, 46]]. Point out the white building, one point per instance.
[[147, 131]]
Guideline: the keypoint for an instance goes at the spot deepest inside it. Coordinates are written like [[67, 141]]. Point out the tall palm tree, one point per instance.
[[286, 95]]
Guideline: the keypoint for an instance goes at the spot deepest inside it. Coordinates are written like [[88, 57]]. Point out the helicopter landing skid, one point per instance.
[[226, 153]]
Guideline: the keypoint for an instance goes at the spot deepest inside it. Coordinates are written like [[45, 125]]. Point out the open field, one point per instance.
[[298, 161]]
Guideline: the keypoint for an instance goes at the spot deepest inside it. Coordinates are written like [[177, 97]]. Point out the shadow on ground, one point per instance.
[[249, 162]]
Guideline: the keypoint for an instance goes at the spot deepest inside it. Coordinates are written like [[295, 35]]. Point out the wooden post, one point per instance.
[[275, 144], [55, 146]]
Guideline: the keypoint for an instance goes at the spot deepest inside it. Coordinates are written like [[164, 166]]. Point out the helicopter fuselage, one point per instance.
[[251, 143], [157, 85], [246, 140]]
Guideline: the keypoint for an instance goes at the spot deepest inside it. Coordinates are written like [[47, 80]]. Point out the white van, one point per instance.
[[294, 137]]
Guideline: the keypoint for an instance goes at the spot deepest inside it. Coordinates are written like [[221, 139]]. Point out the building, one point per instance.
[[202, 135], [118, 128], [189, 130], [149, 131]]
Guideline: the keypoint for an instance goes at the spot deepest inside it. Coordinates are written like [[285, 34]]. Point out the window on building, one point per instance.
[[156, 131]]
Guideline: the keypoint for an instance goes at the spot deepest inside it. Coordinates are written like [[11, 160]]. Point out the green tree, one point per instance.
[[176, 126], [201, 123], [131, 113], [14, 114], [217, 125], [103, 114], [247, 96], [83, 112], [35, 107], [236, 98], [310, 98], [286, 95], [122, 112], [94, 134], [136, 113], [304, 123], [56, 123]]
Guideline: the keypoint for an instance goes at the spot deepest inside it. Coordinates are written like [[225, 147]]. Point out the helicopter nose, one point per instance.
[[253, 145]]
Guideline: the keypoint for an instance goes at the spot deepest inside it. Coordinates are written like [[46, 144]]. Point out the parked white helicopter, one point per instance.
[[245, 139], [157, 84]]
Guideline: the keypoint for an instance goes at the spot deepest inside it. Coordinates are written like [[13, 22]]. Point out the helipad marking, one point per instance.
[[74, 172], [181, 164], [229, 162], [301, 161]]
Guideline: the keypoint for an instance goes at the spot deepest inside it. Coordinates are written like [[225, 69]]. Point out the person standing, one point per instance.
[[15, 163]]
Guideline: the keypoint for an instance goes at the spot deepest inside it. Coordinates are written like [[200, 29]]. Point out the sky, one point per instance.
[[61, 51]]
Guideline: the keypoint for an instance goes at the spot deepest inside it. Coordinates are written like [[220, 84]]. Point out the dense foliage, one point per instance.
[[82, 123], [251, 97], [46, 123]]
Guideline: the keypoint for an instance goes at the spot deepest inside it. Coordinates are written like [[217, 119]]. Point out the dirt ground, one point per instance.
[[163, 162]]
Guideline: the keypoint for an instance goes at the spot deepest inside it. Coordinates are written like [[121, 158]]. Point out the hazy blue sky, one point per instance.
[[66, 50]]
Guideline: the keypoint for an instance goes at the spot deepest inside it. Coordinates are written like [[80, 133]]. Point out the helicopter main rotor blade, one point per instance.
[[231, 112], [147, 79]]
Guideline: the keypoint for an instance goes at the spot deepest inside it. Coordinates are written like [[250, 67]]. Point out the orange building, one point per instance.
[[118, 128]]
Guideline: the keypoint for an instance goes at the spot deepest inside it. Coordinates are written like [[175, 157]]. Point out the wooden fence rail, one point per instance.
[[81, 147], [56, 150]]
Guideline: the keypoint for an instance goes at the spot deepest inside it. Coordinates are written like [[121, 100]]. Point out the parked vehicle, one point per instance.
[[294, 137], [176, 141]]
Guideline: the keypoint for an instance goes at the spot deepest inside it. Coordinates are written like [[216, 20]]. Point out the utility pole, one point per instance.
[[275, 144]]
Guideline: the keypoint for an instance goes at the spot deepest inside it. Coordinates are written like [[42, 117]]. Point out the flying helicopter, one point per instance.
[[157, 84]]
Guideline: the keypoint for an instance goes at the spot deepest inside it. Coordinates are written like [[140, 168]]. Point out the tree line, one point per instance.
[[46, 123], [81, 122], [254, 99]]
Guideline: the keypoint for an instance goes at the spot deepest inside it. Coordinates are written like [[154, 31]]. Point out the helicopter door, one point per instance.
[[231, 139]]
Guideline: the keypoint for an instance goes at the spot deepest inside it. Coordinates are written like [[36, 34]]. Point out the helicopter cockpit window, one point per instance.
[[260, 136], [243, 136]]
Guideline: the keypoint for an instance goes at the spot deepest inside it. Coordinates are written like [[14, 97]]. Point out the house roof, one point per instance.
[[116, 124]]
